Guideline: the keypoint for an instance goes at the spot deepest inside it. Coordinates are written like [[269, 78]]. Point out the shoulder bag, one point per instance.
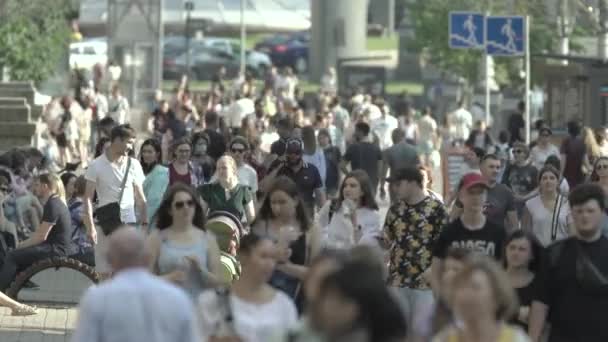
[[108, 216], [555, 218]]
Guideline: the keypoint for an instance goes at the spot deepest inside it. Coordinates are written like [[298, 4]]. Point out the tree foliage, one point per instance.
[[431, 21], [34, 35]]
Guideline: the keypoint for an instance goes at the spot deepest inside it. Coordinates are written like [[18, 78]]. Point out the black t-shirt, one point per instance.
[[217, 144], [332, 160], [526, 295], [516, 123], [487, 240], [57, 213], [521, 179], [575, 313], [364, 156], [307, 180]]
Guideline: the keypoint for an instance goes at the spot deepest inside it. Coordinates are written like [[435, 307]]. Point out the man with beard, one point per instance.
[[306, 176]]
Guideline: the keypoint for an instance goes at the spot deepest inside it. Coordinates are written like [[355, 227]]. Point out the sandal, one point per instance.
[[24, 310]]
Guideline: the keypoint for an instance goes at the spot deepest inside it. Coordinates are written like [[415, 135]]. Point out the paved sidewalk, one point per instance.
[[51, 324], [56, 320]]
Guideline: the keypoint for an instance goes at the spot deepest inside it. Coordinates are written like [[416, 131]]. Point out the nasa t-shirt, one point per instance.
[[487, 240]]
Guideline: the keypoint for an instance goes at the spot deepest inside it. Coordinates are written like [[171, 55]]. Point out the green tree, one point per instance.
[[34, 35]]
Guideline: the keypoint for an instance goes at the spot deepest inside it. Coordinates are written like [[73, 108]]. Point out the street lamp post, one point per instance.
[[189, 7]]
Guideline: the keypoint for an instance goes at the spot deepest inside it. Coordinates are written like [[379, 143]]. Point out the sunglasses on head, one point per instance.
[[182, 204]]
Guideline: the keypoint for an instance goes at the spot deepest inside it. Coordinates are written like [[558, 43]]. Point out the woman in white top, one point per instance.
[[543, 149], [251, 310], [547, 216], [352, 218]]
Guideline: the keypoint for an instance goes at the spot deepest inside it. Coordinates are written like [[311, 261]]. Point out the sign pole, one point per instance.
[[487, 88], [528, 76]]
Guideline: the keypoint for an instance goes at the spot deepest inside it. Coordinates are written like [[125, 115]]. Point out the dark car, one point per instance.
[[287, 50], [204, 64]]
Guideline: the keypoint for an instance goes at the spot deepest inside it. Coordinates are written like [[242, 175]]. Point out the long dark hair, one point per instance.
[[368, 200], [535, 248], [156, 146], [285, 184], [163, 216], [379, 314], [594, 176]]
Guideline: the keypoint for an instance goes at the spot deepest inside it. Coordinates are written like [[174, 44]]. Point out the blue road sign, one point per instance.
[[505, 36], [467, 30]]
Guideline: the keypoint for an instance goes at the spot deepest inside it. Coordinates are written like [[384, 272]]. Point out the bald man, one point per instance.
[[134, 305]]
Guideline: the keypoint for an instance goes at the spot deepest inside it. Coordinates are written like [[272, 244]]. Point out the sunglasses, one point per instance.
[[182, 204], [5, 189], [237, 150], [518, 151], [602, 167], [545, 135]]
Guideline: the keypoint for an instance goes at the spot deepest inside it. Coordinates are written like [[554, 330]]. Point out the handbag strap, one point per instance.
[[555, 218], [124, 181]]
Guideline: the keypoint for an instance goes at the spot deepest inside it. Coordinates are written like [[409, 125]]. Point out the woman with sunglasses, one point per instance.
[[247, 175], [227, 193], [547, 216], [181, 249], [543, 148]]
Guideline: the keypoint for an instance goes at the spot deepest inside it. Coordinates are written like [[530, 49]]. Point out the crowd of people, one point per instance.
[[516, 252]]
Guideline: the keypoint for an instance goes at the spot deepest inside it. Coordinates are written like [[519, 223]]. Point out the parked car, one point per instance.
[[256, 61], [204, 64], [287, 50], [217, 49], [85, 54]]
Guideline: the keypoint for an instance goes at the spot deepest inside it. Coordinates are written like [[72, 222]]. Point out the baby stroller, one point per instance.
[[228, 230]]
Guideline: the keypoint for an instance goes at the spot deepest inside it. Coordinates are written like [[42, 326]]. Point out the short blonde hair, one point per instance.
[[507, 303]]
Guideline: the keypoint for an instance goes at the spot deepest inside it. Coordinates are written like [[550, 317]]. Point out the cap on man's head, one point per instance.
[[473, 179], [294, 146]]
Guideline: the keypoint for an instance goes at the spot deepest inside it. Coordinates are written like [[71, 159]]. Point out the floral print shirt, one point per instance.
[[411, 231]]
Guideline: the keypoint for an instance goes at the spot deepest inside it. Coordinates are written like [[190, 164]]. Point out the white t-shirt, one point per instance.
[[461, 122], [427, 128], [542, 220], [383, 128], [539, 155], [252, 322], [339, 231], [239, 110], [248, 177], [108, 177]]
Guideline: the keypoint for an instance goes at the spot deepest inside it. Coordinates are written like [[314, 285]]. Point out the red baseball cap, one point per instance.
[[472, 179]]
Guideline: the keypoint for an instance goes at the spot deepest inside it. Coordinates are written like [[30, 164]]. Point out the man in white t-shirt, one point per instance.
[[105, 175], [461, 122], [246, 174], [383, 127]]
